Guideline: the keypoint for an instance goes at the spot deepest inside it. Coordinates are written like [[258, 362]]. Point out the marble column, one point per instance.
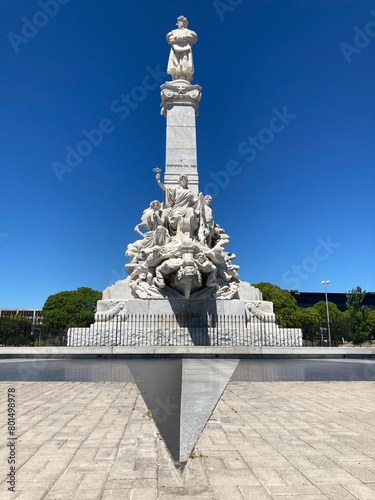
[[180, 101]]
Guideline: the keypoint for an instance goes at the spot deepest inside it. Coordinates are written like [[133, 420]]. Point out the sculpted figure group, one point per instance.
[[182, 249]]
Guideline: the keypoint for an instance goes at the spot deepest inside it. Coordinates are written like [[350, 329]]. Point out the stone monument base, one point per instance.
[[122, 320]]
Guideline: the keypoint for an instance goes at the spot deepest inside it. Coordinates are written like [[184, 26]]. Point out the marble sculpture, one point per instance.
[[180, 265], [182, 251]]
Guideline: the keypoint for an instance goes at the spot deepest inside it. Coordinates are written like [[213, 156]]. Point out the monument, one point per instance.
[[183, 287]]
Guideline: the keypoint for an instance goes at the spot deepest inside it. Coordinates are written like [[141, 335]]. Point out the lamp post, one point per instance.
[[325, 283]]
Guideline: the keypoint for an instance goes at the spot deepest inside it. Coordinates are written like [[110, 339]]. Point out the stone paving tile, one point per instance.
[[292, 476], [233, 460], [254, 493], [276, 440], [192, 491], [224, 493], [123, 494], [303, 490], [241, 477], [361, 491], [87, 494], [329, 478], [212, 463], [302, 496], [143, 493], [363, 474], [29, 495], [117, 484], [336, 492], [69, 481], [268, 477]]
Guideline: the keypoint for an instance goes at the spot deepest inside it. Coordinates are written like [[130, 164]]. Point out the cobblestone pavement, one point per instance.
[[279, 440]]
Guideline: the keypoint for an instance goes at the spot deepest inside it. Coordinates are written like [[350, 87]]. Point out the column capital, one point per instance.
[[180, 93]]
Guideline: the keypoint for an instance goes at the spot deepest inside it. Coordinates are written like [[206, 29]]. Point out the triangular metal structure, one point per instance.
[[181, 395]]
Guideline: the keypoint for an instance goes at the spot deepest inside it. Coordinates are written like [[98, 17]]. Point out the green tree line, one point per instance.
[[77, 308], [356, 323]]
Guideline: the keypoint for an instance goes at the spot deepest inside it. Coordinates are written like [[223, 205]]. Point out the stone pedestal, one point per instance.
[[122, 320]]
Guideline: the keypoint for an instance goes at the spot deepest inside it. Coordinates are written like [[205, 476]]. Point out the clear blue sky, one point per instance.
[[300, 208]]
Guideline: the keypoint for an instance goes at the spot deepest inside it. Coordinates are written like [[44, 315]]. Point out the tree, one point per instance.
[[284, 304], [370, 322], [358, 314], [308, 321], [308, 315], [338, 325], [71, 308], [321, 309], [15, 330]]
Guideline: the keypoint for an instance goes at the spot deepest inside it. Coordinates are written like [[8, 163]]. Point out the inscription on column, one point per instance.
[[171, 165]]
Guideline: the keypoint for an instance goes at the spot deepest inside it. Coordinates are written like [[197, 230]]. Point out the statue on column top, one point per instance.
[[180, 63]]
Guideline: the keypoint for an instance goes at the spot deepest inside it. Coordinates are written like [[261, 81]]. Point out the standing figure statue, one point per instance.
[[152, 217], [206, 222], [153, 221], [180, 63]]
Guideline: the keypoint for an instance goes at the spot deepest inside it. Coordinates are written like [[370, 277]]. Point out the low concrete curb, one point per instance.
[[191, 352]]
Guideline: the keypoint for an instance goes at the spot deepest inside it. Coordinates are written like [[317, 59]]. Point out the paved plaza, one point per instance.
[[280, 440]]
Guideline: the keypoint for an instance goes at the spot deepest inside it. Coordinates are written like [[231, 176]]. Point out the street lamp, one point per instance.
[[325, 283]]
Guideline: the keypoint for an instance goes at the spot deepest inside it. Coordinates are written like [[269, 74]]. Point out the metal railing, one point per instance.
[[177, 330], [19, 333], [183, 330]]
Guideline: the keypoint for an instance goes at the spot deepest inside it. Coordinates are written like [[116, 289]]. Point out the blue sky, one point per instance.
[[300, 208]]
